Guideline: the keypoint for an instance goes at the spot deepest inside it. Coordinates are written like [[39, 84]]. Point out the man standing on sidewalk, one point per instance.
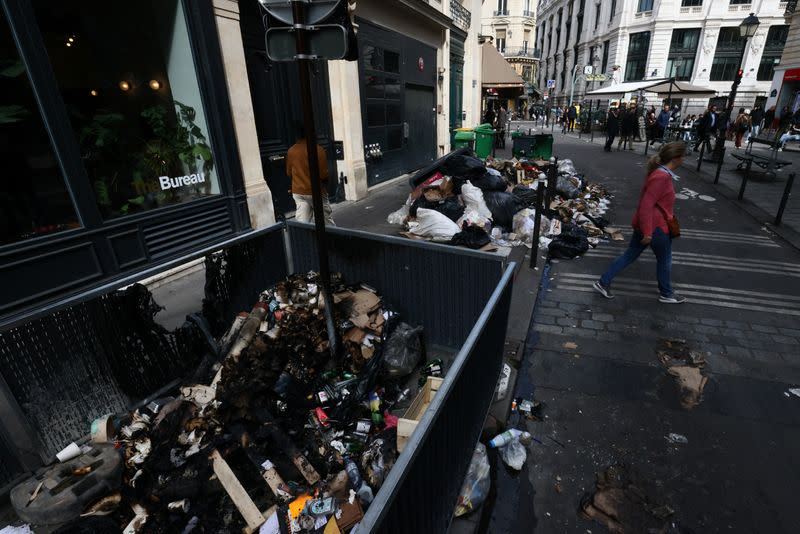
[[661, 125], [297, 169], [612, 127], [757, 116], [572, 114]]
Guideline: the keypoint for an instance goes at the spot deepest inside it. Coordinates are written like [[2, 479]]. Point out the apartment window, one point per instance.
[[500, 41], [773, 49], [564, 71], [568, 24], [502, 7], [637, 56], [727, 54], [682, 52], [694, 3], [580, 21], [733, 2], [527, 72], [606, 46], [613, 10], [526, 39], [527, 9], [645, 5], [596, 15], [550, 36]]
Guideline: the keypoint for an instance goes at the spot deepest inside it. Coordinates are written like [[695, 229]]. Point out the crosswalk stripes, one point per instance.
[[728, 237], [710, 261], [694, 293]]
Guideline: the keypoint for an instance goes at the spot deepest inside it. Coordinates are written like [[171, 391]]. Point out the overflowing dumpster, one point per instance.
[[102, 352]]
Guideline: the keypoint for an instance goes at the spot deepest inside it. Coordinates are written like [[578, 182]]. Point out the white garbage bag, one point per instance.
[[434, 225]]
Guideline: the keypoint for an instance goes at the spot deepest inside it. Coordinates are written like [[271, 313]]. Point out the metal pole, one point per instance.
[[304, 64], [702, 151], [744, 179], [786, 192], [719, 166], [591, 119], [537, 223], [552, 179]]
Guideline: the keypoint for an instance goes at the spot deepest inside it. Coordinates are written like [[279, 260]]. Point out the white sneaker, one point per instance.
[[674, 299]]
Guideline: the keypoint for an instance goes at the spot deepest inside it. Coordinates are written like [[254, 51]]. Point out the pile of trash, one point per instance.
[[466, 202], [280, 436]]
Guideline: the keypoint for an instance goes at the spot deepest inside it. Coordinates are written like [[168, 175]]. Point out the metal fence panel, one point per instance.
[[441, 287], [420, 493]]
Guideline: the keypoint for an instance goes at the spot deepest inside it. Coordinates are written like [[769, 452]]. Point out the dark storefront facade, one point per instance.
[[398, 102], [117, 143]]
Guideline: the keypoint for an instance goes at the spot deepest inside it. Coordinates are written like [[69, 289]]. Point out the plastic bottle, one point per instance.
[[507, 437], [363, 490]]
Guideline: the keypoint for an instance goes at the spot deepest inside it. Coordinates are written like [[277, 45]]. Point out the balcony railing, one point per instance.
[[528, 13], [462, 18], [533, 53], [501, 13], [791, 5]]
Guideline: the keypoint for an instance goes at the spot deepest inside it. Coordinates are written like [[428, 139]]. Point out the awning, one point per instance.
[[496, 72], [660, 86]]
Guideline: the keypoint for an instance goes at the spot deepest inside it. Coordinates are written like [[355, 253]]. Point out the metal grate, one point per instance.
[[167, 238], [462, 18]]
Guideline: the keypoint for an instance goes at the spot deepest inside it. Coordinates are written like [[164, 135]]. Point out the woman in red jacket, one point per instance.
[[650, 228]]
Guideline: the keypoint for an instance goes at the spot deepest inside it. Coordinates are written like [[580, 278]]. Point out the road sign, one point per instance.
[[588, 69], [551, 84], [596, 77], [325, 41], [316, 11]]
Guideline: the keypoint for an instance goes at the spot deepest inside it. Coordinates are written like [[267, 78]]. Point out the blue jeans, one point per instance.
[[662, 248]]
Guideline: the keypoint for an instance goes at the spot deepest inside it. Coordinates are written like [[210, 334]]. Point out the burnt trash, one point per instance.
[[279, 425]]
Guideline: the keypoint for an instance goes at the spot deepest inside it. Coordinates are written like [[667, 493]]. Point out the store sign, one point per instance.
[[181, 181], [791, 75], [421, 64], [551, 84]]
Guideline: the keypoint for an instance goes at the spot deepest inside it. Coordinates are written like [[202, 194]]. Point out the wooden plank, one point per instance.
[[270, 511], [250, 512]]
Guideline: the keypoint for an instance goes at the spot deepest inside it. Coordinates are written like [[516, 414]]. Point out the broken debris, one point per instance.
[[686, 366]]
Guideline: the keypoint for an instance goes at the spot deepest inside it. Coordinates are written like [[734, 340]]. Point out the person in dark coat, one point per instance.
[[489, 117], [628, 123], [707, 127], [757, 117], [612, 127], [572, 113]]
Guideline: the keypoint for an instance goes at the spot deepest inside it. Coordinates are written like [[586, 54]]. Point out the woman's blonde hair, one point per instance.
[[668, 152]]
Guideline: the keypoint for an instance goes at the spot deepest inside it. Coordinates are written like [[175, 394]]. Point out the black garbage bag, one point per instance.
[[490, 182], [471, 236], [449, 207], [463, 166], [525, 194], [568, 186], [403, 350], [570, 243], [600, 222], [503, 207]]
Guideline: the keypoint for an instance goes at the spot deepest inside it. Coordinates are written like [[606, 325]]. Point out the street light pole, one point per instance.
[[747, 30]]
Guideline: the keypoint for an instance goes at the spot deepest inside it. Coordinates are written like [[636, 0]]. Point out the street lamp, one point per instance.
[[747, 29]]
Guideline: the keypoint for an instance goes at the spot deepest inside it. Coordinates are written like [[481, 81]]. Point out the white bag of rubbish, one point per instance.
[[523, 224], [473, 200], [476, 484], [433, 225], [511, 445], [399, 216]]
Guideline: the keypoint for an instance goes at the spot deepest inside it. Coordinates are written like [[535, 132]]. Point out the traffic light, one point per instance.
[[739, 74]]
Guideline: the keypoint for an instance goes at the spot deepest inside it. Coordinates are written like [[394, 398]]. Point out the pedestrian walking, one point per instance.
[[572, 113], [502, 120], [612, 127], [741, 126], [650, 122], [489, 117], [769, 118], [654, 224], [661, 125], [707, 127], [298, 171], [565, 120], [628, 123], [756, 119]]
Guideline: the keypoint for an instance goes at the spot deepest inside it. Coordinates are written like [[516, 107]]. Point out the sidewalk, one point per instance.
[[762, 195]]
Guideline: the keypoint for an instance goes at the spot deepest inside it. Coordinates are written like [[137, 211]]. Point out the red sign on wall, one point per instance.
[[421, 64], [791, 75]]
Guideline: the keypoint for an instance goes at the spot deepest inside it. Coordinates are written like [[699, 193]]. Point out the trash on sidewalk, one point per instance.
[[686, 366], [511, 445], [280, 420], [677, 438], [476, 484], [498, 197], [621, 504], [793, 390]]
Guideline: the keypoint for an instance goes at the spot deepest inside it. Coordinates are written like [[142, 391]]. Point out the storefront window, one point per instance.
[[33, 197], [126, 74]]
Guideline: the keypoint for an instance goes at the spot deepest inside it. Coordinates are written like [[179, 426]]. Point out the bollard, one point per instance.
[[744, 180], [540, 185], [719, 168], [552, 179], [646, 144], [786, 192], [700, 159]]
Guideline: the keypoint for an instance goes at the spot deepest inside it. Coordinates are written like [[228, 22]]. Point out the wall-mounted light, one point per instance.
[[125, 86], [68, 44], [93, 92], [71, 40], [155, 85]]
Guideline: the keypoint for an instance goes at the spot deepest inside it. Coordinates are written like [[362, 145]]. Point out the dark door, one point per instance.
[[421, 125], [274, 88]]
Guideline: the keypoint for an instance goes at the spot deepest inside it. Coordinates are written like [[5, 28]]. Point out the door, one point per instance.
[[420, 134], [275, 92]]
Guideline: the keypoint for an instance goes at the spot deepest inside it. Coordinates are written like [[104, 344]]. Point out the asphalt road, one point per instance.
[[608, 399]]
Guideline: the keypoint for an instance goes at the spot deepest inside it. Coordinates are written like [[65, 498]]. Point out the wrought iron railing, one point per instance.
[[791, 5], [522, 52], [462, 18], [501, 13]]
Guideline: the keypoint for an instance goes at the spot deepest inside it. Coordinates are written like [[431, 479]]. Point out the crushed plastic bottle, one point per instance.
[[363, 490], [508, 436]]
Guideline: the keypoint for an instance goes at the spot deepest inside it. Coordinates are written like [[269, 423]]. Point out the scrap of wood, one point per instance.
[[252, 516], [305, 468], [35, 493], [269, 513]]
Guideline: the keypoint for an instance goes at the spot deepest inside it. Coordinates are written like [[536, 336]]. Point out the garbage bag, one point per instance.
[[434, 225], [450, 207], [570, 243], [471, 236], [568, 186], [474, 201], [525, 194], [399, 216], [503, 207], [490, 181], [403, 350], [476, 484], [523, 224], [566, 166], [463, 166], [514, 454]]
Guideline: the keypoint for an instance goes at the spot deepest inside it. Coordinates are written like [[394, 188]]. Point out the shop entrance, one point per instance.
[[421, 121]]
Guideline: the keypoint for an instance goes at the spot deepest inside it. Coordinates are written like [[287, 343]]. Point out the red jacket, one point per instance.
[[656, 203]]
